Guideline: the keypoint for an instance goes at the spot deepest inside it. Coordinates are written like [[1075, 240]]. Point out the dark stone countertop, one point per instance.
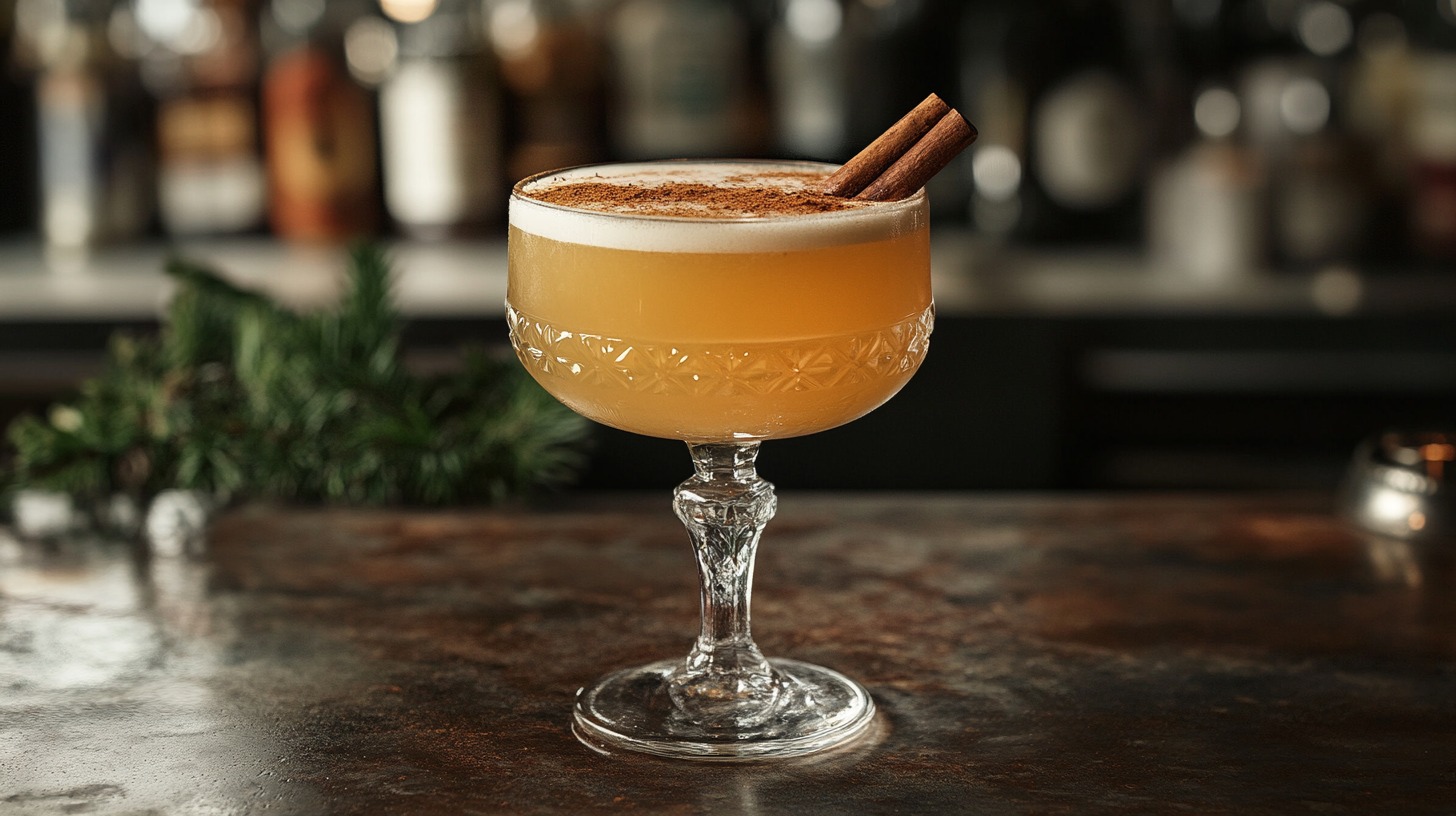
[[1029, 655]]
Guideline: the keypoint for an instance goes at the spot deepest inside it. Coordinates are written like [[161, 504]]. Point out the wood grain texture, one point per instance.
[[1029, 654]]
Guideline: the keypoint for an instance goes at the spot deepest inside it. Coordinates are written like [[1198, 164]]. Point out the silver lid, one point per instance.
[[1400, 484]]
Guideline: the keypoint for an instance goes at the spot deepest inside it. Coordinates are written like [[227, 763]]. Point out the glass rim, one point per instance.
[[877, 207]]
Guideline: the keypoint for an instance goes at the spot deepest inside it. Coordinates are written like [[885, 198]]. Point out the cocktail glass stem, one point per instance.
[[725, 681], [725, 701]]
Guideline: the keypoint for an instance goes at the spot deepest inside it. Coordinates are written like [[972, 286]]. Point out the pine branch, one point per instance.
[[239, 396], [367, 313]]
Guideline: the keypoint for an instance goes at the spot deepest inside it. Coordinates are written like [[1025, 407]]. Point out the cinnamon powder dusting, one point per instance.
[[738, 196]]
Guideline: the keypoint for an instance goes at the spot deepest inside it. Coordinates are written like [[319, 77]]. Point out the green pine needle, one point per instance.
[[240, 397]]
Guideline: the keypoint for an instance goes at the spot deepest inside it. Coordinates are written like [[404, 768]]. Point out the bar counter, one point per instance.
[[1028, 654]]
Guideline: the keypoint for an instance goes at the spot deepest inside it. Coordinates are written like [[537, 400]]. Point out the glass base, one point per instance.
[[631, 710]]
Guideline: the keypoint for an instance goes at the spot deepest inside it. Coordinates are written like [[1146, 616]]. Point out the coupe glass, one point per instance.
[[720, 332]]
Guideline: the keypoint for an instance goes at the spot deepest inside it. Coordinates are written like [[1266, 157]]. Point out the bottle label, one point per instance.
[[210, 177]]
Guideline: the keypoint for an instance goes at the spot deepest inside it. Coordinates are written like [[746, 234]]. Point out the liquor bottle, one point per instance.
[[810, 54], [203, 66], [319, 127], [681, 79], [1431, 204], [1059, 100], [1207, 209], [1207, 219], [897, 58], [841, 71], [17, 140], [439, 110], [1319, 177], [551, 61], [1378, 97], [93, 127]]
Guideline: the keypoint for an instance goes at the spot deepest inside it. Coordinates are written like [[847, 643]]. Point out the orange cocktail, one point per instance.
[[712, 323], [720, 303]]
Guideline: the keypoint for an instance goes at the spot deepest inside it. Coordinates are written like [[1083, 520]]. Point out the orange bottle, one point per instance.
[[321, 146]]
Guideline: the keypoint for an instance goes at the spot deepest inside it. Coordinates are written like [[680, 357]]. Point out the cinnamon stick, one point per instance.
[[924, 159], [860, 171]]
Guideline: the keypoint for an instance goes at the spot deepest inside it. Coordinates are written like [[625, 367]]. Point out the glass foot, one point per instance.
[[632, 710]]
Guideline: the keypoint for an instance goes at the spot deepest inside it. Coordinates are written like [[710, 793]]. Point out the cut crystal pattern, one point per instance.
[[722, 369]]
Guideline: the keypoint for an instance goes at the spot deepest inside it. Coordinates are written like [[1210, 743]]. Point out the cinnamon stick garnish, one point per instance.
[[864, 168], [929, 156], [902, 159]]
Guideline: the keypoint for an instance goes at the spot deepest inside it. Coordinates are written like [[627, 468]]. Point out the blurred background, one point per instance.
[[1199, 243]]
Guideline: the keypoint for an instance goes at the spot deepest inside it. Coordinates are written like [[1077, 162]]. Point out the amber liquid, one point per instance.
[[723, 345]]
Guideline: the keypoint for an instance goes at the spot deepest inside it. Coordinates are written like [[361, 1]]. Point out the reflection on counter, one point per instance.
[[1180, 654], [137, 644]]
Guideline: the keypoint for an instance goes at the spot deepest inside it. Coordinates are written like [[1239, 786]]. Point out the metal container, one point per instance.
[[1400, 484]]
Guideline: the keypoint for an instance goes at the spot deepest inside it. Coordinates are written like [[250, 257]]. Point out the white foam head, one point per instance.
[[872, 221]]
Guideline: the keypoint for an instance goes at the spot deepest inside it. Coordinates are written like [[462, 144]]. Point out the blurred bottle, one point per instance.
[[1432, 201], [682, 80], [1207, 210], [201, 61], [552, 68], [898, 56], [439, 111], [1060, 103], [17, 139], [1378, 100], [1207, 220], [1319, 174], [319, 125], [841, 71], [93, 123], [1433, 143], [810, 54]]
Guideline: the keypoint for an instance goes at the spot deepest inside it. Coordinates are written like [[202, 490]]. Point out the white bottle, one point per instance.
[[439, 129], [808, 69], [1207, 220]]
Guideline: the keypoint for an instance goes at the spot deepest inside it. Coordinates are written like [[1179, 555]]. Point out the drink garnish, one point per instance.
[[903, 158]]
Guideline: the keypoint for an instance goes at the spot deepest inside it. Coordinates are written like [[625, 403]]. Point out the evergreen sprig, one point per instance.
[[240, 397]]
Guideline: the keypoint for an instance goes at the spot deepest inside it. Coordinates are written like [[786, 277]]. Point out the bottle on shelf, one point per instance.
[[1060, 103], [550, 56], [841, 71], [1378, 98], [1207, 221], [17, 139], [439, 111], [1433, 196], [682, 84], [810, 55], [1207, 198], [93, 124], [201, 62], [1431, 202], [1319, 174], [899, 54], [319, 126]]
